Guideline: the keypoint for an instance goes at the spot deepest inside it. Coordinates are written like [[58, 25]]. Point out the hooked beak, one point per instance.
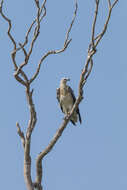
[[67, 79]]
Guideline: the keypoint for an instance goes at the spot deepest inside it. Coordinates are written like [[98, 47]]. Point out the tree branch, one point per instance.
[[9, 34], [30, 127], [83, 78], [32, 24], [66, 43], [48, 149], [21, 134], [13, 54], [99, 37], [33, 117], [36, 30], [94, 22]]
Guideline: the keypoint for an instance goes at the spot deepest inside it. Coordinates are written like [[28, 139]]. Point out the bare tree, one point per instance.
[[22, 78]]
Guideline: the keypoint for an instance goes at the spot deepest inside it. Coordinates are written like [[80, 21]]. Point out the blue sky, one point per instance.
[[91, 155]]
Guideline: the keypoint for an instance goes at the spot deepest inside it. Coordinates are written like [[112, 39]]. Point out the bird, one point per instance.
[[66, 99]]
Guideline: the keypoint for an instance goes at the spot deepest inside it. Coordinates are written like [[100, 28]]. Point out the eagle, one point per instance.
[[66, 99]]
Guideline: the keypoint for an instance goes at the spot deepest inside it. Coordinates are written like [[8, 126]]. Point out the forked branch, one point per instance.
[[22, 78], [21, 134], [97, 38], [66, 43]]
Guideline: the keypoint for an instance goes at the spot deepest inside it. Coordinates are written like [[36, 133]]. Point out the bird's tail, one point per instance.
[[74, 118]]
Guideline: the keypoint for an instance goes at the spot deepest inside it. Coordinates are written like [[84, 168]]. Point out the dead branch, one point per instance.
[[83, 78], [22, 78], [48, 149], [26, 141], [13, 54], [99, 36], [21, 134], [94, 23], [9, 34], [32, 24], [36, 33], [66, 43]]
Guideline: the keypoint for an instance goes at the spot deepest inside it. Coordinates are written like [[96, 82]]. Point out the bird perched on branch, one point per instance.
[[66, 99]]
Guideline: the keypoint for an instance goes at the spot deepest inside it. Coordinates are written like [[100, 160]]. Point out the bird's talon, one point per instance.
[[66, 117]]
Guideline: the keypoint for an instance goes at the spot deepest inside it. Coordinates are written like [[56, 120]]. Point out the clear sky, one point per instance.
[[92, 155]]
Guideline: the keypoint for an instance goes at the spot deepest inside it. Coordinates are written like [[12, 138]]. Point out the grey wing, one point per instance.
[[58, 94], [78, 112], [58, 97], [72, 93], [74, 99]]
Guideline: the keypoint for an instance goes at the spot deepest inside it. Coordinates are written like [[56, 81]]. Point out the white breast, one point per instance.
[[66, 102]]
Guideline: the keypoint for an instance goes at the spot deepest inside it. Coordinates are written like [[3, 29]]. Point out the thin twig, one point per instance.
[[32, 24], [13, 54], [36, 30], [72, 22], [106, 23], [45, 56], [94, 23], [9, 34], [109, 3], [21, 134], [116, 1], [66, 43]]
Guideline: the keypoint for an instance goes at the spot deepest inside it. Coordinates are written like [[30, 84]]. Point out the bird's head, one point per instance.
[[64, 80]]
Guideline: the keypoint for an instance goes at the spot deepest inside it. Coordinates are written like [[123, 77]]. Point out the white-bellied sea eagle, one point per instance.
[[66, 99]]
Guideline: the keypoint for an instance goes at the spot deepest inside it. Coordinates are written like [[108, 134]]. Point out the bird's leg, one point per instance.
[[67, 115]]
